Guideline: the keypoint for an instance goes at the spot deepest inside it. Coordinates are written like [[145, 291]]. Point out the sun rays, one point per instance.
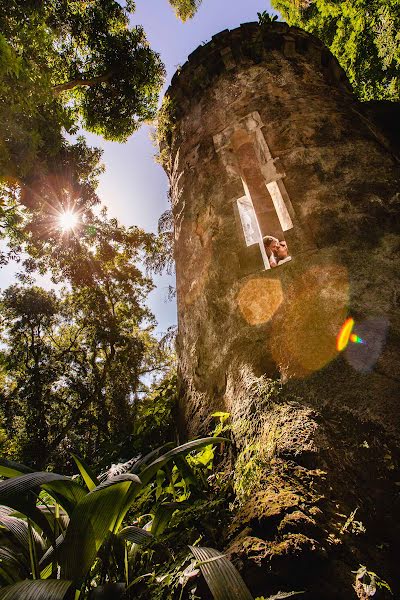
[[68, 220]]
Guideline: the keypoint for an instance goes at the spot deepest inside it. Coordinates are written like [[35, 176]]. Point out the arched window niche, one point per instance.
[[264, 212]]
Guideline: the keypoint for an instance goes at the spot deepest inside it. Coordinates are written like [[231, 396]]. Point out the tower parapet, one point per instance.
[[246, 45]]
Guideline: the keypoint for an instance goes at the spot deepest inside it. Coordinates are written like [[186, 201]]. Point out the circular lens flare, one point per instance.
[[68, 220]]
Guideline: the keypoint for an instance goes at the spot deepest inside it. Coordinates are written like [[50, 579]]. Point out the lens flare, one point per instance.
[[304, 330], [344, 334], [356, 339], [259, 299], [67, 220]]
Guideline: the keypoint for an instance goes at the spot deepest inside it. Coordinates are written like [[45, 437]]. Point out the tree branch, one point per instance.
[[80, 82]]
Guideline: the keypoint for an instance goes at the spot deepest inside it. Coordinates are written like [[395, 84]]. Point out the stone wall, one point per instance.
[[272, 105]]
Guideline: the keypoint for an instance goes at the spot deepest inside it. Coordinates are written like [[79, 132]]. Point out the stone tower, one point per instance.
[[263, 138]]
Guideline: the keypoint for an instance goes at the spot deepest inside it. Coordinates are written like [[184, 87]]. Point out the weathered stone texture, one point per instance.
[[341, 174]]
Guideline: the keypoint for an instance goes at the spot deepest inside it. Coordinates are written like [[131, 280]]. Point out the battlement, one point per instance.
[[250, 44]]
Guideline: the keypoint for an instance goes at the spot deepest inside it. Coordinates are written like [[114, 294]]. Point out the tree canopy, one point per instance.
[[362, 34]]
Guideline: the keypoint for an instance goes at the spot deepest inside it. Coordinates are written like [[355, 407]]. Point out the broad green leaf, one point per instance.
[[27, 506], [63, 488], [160, 478], [223, 579], [14, 564], [163, 516], [137, 535], [143, 461], [55, 514], [66, 492], [117, 479], [22, 484], [88, 476], [149, 471], [9, 468], [49, 554], [6, 576], [131, 494], [19, 529], [93, 518], [32, 552], [50, 589], [187, 472]]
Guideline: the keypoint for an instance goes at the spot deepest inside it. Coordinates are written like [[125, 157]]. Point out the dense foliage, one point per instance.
[[72, 368], [362, 34], [64, 63], [69, 536]]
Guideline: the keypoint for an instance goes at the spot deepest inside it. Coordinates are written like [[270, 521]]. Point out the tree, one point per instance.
[[74, 363], [30, 364], [362, 34], [65, 65]]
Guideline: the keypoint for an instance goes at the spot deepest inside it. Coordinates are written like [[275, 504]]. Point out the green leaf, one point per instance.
[[221, 576], [221, 415], [137, 535], [9, 468], [187, 472], [32, 552], [66, 492], [27, 507], [117, 479], [88, 476], [14, 565], [142, 461], [163, 516], [50, 589], [93, 518], [19, 529], [55, 515], [57, 485], [49, 554], [149, 471]]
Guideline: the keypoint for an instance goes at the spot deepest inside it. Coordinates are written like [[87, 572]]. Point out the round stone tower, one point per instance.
[[285, 193]]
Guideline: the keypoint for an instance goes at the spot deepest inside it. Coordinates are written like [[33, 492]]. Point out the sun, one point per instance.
[[67, 220]]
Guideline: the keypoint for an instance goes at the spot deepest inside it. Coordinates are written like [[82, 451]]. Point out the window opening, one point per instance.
[[251, 227], [251, 230], [274, 251], [280, 206], [263, 210]]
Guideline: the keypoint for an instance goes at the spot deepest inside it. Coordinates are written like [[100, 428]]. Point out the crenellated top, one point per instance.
[[250, 44]]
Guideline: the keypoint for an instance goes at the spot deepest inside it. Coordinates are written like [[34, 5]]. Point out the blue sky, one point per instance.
[[134, 186]]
